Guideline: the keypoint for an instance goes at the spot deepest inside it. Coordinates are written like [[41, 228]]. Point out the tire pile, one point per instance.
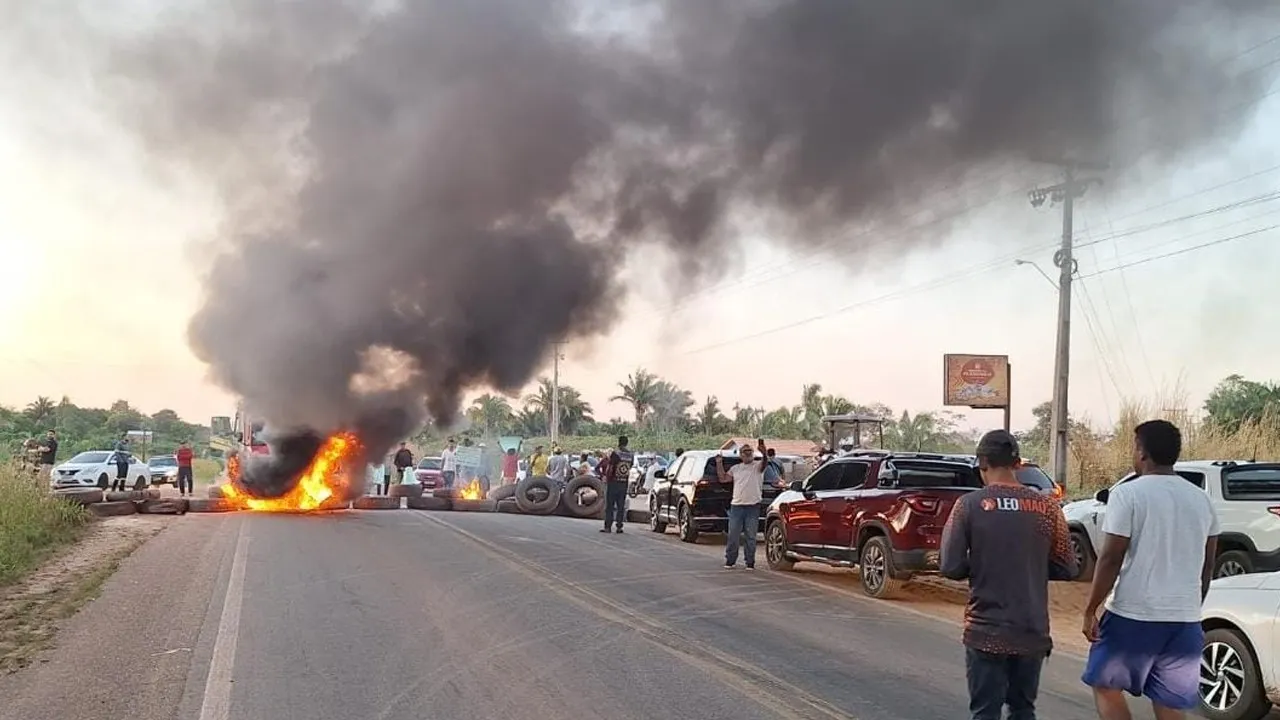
[[582, 497], [129, 502]]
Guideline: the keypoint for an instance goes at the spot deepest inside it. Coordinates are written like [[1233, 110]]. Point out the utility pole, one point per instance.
[[1066, 193], [555, 392]]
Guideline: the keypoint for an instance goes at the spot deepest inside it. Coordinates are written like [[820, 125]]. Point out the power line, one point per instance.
[[1183, 251]]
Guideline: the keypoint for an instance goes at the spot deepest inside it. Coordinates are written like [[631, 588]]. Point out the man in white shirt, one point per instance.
[[1161, 535], [744, 509], [449, 463]]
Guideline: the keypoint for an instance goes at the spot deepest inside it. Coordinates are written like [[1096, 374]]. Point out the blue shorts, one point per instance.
[[1156, 660]]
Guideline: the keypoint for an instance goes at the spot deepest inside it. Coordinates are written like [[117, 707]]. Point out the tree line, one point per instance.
[[658, 408]]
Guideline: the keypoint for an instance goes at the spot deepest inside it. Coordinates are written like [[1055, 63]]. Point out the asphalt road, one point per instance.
[[406, 615]]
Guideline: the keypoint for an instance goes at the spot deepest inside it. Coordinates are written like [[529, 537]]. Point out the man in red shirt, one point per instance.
[[185, 477]]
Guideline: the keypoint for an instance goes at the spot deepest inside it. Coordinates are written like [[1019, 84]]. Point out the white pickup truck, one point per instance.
[[1246, 496]]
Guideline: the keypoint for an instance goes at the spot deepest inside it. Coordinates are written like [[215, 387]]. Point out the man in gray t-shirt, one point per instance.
[[1153, 572]]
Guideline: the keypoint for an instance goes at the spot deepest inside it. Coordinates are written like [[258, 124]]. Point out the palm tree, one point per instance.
[[746, 420], [491, 412], [639, 391], [670, 406], [710, 420], [40, 410], [785, 423], [574, 411], [919, 433], [530, 421]]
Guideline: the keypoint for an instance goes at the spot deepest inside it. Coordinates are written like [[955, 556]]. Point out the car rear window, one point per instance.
[[90, 458], [163, 461], [1034, 477], [430, 463], [709, 470], [1251, 483], [924, 474]]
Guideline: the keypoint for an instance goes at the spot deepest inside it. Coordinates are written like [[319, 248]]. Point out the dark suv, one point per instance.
[[689, 494], [880, 512]]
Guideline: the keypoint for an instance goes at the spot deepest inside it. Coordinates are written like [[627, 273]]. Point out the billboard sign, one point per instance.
[[976, 381]]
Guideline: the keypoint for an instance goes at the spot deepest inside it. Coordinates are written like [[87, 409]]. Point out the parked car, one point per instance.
[[1239, 668], [428, 472], [96, 467], [879, 511], [1245, 496], [164, 469], [690, 494], [641, 480]]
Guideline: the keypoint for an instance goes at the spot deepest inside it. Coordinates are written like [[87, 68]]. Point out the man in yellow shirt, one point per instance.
[[538, 463]]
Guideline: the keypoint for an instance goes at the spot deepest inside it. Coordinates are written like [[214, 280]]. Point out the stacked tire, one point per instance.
[[538, 495], [583, 497]]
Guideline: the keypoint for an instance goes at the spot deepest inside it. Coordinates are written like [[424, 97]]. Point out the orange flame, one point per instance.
[[471, 491], [325, 478]]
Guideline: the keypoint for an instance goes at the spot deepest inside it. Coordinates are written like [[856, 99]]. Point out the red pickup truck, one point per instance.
[[878, 511]]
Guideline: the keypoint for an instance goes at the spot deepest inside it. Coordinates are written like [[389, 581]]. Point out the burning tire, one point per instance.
[[406, 491], [80, 497], [428, 503], [212, 505], [333, 504], [171, 506], [509, 506], [215, 492], [376, 502], [112, 509], [461, 505], [502, 492], [584, 497], [537, 495], [126, 496]]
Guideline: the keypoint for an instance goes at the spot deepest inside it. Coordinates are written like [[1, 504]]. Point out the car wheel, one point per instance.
[[775, 547], [656, 523], [876, 568], [1232, 562], [1230, 683], [1084, 556], [688, 533]]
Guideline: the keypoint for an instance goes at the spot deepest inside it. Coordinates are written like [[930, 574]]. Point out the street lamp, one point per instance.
[[1043, 274]]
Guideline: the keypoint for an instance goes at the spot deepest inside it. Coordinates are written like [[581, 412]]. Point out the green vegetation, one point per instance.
[[81, 428], [32, 523]]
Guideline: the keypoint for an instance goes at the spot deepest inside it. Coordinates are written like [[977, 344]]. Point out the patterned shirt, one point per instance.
[[1009, 542]]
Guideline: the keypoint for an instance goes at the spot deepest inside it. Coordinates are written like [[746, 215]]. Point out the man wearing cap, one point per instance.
[[1008, 541]]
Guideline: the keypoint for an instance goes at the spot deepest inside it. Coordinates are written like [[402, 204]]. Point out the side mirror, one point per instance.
[[796, 486], [1102, 495]]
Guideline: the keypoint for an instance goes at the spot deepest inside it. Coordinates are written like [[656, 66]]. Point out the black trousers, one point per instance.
[[615, 503], [185, 479], [999, 680]]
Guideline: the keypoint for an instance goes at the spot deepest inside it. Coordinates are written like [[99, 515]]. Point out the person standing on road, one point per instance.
[[538, 463], [1008, 541], [557, 466], [510, 467], [186, 476], [617, 471], [449, 463], [1161, 536], [744, 508], [121, 458], [403, 459], [48, 455]]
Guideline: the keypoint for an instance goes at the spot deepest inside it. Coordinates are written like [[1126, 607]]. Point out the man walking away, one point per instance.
[[617, 471], [1009, 541], [449, 464], [557, 465], [186, 476], [121, 458], [744, 508], [48, 455], [1161, 535], [402, 461]]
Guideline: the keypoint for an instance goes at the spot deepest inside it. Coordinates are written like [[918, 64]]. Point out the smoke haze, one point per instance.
[[423, 196]]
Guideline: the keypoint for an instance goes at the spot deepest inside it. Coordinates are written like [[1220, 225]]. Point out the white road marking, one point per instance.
[[217, 687]]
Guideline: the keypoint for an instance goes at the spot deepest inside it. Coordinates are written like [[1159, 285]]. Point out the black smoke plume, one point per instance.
[[276, 474], [423, 195]]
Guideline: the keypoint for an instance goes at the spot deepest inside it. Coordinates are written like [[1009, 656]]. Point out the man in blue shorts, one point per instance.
[[1161, 534]]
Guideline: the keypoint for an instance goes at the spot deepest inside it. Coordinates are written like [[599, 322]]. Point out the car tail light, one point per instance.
[[1274, 510], [1058, 491], [925, 505]]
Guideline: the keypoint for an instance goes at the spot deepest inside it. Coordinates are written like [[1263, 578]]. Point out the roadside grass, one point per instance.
[[33, 523], [1100, 459], [205, 470]]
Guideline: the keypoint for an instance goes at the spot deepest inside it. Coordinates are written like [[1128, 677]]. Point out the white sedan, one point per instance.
[[94, 468], [1239, 672]]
